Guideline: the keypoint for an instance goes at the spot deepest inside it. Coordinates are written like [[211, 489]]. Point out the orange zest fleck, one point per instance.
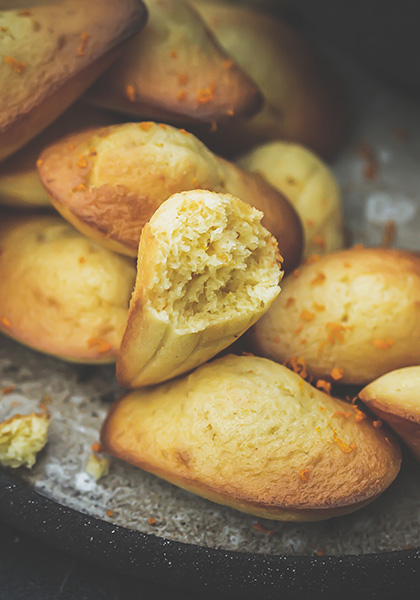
[[146, 125], [298, 365], [109, 513], [290, 301], [262, 529], [24, 13], [306, 315], [184, 132], [82, 260], [17, 66], [319, 241], [152, 521], [181, 95], [304, 475], [96, 447], [296, 273], [321, 384], [346, 448], [8, 389], [84, 40], [230, 112], [81, 187], [101, 346], [388, 441], [383, 344], [162, 126], [342, 413], [299, 329], [360, 415], [39, 162], [303, 341], [206, 95], [319, 552], [247, 353], [377, 424], [313, 258], [335, 334], [337, 373], [319, 278], [82, 163], [70, 147], [318, 307], [43, 407], [5, 322], [130, 92]]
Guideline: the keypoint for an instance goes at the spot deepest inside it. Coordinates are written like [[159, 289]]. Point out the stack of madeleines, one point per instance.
[[164, 253]]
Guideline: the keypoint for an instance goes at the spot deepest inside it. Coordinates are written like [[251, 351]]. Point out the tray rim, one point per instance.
[[196, 568]]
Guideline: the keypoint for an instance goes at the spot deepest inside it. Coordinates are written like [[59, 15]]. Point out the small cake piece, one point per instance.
[[22, 437], [207, 270], [309, 185], [59, 292], [175, 70], [304, 102], [108, 182], [395, 398], [19, 179], [351, 316], [248, 433], [97, 466], [51, 54]]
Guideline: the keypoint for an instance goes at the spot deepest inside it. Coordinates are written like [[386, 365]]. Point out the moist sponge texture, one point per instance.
[[207, 270], [215, 265]]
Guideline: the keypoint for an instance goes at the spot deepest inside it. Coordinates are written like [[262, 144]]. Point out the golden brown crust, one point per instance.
[[175, 70], [249, 433], [19, 180], [395, 398], [60, 293], [356, 312], [108, 182], [76, 44], [303, 99]]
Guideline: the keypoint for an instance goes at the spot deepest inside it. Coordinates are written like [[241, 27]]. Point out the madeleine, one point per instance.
[[350, 316], [108, 182], [59, 292], [207, 270], [248, 433]]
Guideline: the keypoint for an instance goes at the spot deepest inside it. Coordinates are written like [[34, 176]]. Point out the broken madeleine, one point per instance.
[[207, 270], [22, 437], [248, 433], [59, 292], [175, 70], [395, 398], [350, 316], [108, 182], [51, 54], [310, 186]]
